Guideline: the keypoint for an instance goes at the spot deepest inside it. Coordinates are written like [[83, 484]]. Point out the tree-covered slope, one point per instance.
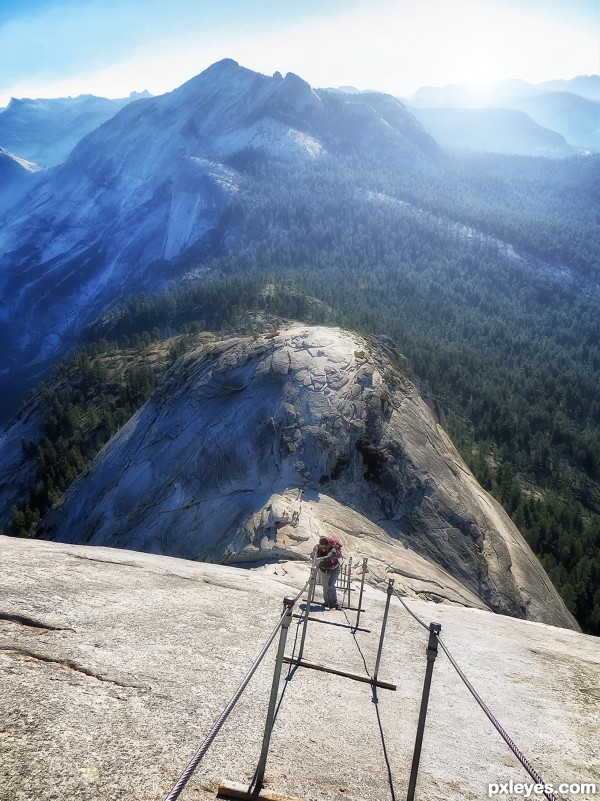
[[484, 271]]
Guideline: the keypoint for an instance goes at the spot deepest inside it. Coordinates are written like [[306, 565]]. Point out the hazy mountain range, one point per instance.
[[556, 119], [470, 95], [159, 177], [45, 131], [553, 119]]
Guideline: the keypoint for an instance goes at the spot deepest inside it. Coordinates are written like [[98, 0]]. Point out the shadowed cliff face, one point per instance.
[[251, 448]]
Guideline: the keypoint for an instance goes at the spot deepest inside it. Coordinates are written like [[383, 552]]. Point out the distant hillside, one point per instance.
[[570, 109], [492, 130], [587, 86], [46, 130], [576, 118]]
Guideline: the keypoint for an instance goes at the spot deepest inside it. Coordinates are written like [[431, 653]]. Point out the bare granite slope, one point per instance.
[[114, 666], [253, 446]]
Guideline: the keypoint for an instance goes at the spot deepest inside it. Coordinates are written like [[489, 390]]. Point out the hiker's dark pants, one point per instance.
[[328, 580]]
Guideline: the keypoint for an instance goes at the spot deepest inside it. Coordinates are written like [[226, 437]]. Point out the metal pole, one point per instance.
[[390, 590], [311, 594], [432, 649], [340, 583], [285, 624], [347, 585], [362, 586]]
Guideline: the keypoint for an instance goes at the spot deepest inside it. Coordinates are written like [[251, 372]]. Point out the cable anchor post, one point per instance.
[[390, 591], [432, 651], [310, 597], [288, 605], [362, 587], [343, 582], [347, 587]]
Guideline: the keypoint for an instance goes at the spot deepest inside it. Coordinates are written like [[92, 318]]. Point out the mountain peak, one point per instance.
[[226, 66], [139, 95], [161, 175], [221, 74], [294, 79], [224, 63], [16, 103]]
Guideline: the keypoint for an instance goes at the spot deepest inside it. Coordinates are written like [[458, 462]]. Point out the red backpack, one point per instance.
[[335, 560]]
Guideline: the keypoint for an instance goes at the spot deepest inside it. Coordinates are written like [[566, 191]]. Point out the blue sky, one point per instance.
[[55, 48]]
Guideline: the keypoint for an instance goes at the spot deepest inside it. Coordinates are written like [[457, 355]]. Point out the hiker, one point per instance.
[[328, 556]]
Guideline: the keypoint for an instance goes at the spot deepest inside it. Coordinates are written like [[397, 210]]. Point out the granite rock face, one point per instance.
[[114, 666], [252, 447]]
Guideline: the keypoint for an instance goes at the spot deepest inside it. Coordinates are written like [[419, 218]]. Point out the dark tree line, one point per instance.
[[84, 403]]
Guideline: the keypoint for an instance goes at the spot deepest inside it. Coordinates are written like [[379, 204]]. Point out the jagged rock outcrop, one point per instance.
[[251, 447], [115, 666]]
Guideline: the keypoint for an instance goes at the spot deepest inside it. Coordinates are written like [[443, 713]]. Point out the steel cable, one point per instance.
[[507, 739], [409, 610], [195, 760], [500, 729]]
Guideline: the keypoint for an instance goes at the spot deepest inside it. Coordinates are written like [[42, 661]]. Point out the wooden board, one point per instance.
[[235, 791], [331, 622], [325, 669]]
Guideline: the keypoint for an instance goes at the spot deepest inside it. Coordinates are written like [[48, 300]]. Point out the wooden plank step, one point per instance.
[[234, 791], [355, 676], [331, 622], [319, 603]]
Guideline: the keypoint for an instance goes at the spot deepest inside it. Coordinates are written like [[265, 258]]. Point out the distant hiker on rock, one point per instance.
[[328, 557]]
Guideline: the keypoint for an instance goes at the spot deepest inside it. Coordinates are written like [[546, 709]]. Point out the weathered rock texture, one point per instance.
[[252, 447], [114, 666]]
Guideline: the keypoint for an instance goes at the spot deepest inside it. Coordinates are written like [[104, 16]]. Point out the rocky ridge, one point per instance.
[[252, 447]]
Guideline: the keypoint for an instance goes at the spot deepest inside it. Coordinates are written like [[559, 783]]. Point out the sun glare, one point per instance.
[[393, 46]]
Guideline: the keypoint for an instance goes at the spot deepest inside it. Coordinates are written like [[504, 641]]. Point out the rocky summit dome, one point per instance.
[[253, 447]]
